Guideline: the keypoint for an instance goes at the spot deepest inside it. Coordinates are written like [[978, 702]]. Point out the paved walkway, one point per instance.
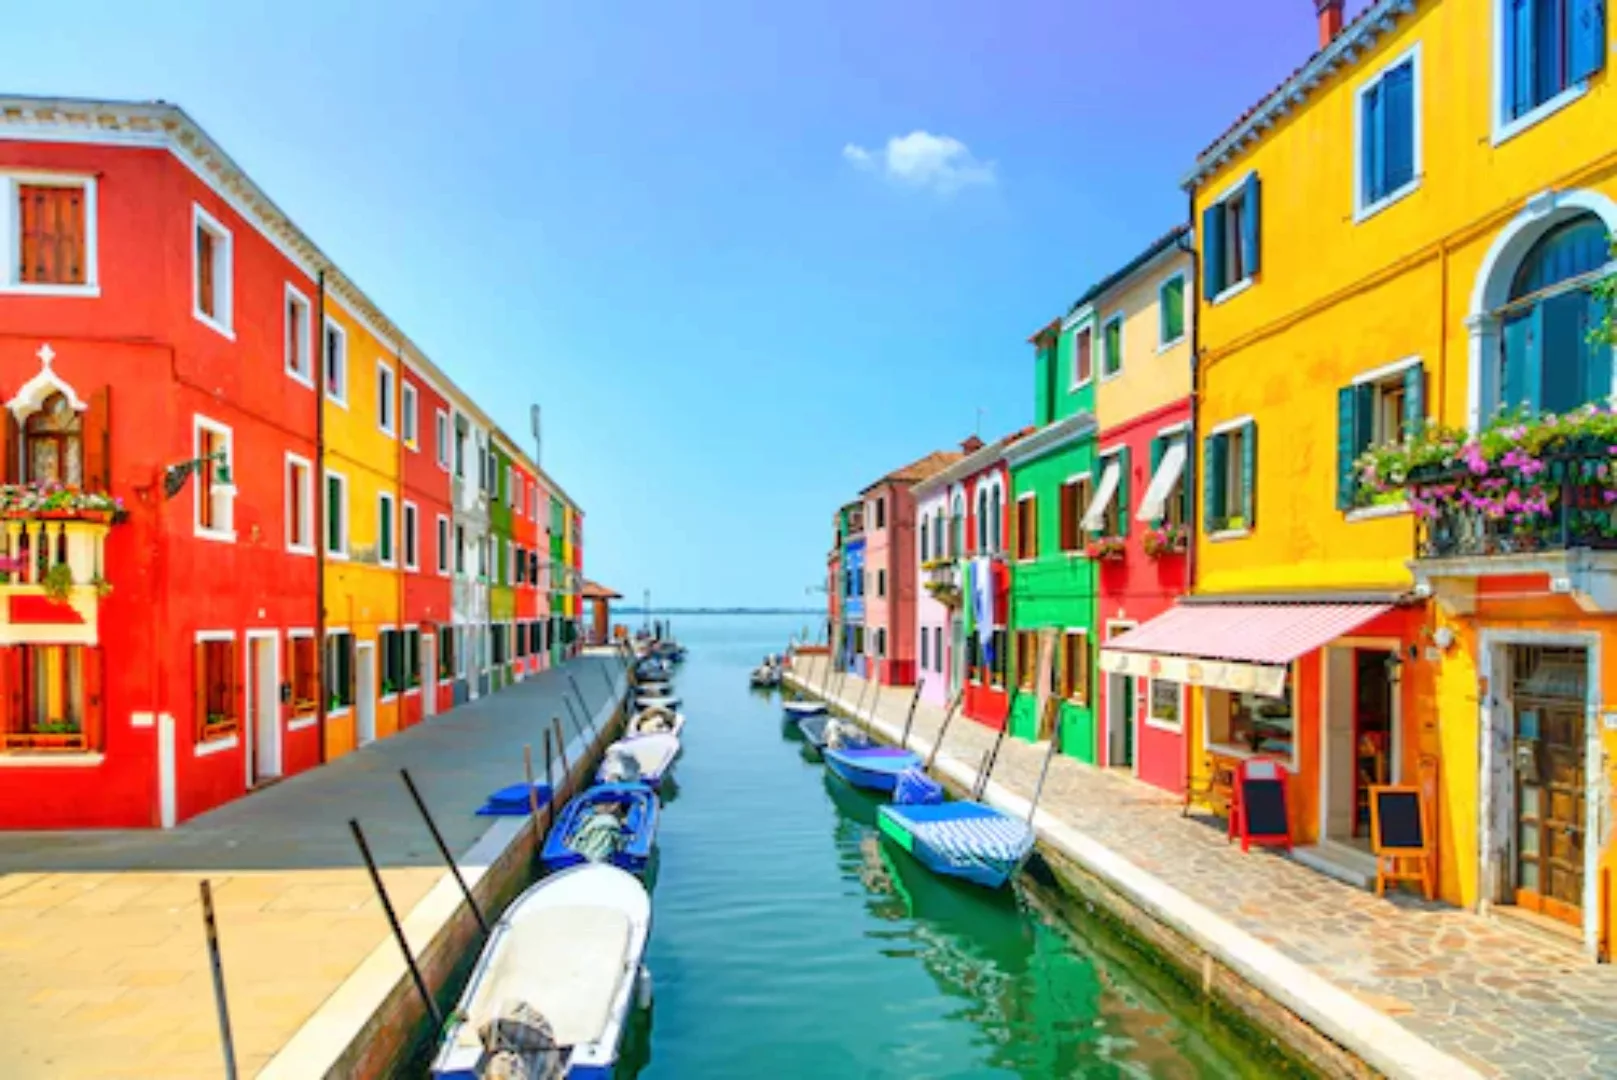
[[103, 965], [1503, 1000]]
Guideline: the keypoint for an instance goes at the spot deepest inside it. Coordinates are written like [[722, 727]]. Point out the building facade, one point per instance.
[[223, 559]]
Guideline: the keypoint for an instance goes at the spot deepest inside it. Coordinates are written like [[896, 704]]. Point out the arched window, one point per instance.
[[55, 444], [996, 518], [982, 517], [957, 531], [1547, 363], [937, 534], [925, 528]]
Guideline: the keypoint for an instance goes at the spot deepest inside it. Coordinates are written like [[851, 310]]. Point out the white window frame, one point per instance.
[[382, 696], [517, 488], [387, 421], [1239, 423], [410, 535], [1154, 721], [1236, 189], [345, 521], [445, 539], [1363, 211], [295, 545], [340, 396], [1106, 352], [299, 350], [1085, 325], [11, 234], [298, 723], [224, 265], [225, 742], [409, 415], [204, 486], [1026, 496], [1505, 129], [1184, 310], [388, 506], [440, 429]]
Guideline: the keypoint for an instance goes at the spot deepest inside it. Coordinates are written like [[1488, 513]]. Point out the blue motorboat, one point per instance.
[[817, 733], [610, 823], [960, 839], [875, 768]]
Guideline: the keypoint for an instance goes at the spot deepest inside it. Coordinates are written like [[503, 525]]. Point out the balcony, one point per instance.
[[52, 576], [942, 580], [1551, 516]]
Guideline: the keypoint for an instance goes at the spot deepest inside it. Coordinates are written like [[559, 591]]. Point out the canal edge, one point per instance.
[[373, 1020], [1310, 1017]]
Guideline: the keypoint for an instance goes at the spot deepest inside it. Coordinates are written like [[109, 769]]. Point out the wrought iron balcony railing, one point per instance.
[[1571, 504]]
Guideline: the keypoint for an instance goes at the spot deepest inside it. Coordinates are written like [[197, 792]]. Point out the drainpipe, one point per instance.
[[319, 480], [1193, 455]]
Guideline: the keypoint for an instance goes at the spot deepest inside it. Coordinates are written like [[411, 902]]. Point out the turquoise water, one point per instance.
[[790, 941]]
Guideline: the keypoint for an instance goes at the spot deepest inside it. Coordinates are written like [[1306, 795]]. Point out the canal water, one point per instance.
[[789, 941]]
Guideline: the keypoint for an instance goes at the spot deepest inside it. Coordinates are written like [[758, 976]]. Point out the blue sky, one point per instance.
[[676, 226]]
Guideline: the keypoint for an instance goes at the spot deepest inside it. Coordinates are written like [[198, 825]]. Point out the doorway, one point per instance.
[[263, 708], [364, 693], [1121, 709], [1548, 698], [1361, 736], [429, 673]]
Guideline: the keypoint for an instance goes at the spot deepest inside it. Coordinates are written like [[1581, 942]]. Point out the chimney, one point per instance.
[[970, 445], [1330, 19]]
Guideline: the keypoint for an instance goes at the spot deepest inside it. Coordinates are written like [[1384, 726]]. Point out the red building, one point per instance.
[[981, 501], [529, 552], [427, 530], [146, 352]]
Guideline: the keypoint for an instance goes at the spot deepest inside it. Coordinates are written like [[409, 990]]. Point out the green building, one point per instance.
[[501, 597]]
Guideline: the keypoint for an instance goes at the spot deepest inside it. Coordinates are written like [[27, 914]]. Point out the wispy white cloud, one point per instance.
[[939, 163]]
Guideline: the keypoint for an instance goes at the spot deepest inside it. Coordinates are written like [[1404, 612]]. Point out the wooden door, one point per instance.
[[1548, 719]]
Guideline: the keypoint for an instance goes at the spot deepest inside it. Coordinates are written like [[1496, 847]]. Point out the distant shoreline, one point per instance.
[[661, 611]]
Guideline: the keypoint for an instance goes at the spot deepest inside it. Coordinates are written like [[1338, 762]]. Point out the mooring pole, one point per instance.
[[561, 749], [398, 931], [572, 712], [550, 786], [584, 707], [226, 1043], [904, 740], [993, 759], [533, 796], [943, 729], [443, 848], [1055, 741], [999, 738]]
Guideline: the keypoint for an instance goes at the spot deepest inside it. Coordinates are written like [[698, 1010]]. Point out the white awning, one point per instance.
[[1095, 516], [1169, 469]]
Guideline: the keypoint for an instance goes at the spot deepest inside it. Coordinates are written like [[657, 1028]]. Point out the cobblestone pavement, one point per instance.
[[103, 964], [1506, 1000]]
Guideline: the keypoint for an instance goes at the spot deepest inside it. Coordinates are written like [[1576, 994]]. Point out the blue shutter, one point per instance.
[[1588, 34], [1549, 36], [1215, 450], [1212, 251], [1519, 384], [1415, 400], [1347, 449], [1397, 114], [1518, 67], [1251, 231], [1374, 149], [1249, 474]]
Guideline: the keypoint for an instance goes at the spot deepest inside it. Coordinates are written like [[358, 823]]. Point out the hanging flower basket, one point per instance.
[[945, 593]]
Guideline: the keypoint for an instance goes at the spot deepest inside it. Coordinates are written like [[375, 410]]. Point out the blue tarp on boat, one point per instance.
[[512, 801], [965, 840], [916, 788], [875, 767]]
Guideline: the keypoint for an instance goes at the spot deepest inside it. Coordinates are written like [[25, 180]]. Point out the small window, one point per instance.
[[212, 476], [460, 447], [53, 441], [446, 653], [304, 675], [384, 527], [217, 715], [516, 497], [390, 644], [460, 549], [881, 513], [1230, 470], [1388, 122], [384, 397], [299, 505], [337, 514], [407, 416], [1165, 498], [1082, 357], [1075, 495], [881, 643], [410, 537], [339, 670], [1231, 239], [336, 375], [1027, 528], [1549, 47], [881, 582], [412, 659], [55, 229], [443, 545], [211, 271], [1027, 658], [1111, 361], [1171, 311], [1378, 410], [297, 337], [999, 662], [925, 649], [440, 438], [1167, 703], [1075, 667]]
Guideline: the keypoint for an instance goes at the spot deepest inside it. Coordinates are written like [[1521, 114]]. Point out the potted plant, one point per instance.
[[1163, 540], [1105, 547], [103, 587], [58, 582]]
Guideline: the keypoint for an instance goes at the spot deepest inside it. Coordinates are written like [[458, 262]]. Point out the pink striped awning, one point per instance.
[[1245, 647]]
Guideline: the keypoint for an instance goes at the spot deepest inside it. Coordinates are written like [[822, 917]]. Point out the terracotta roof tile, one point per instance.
[[592, 591], [920, 469]]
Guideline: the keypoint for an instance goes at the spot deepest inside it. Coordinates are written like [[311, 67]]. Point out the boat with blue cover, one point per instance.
[[553, 990], [611, 823], [875, 768], [960, 839]]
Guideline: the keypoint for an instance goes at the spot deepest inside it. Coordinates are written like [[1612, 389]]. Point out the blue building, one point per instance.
[[853, 594]]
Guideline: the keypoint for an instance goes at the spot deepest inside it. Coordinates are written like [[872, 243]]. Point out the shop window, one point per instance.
[[1075, 667], [1167, 704], [304, 676], [53, 698], [339, 671], [215, 672], [1251, 723], [55, 443]]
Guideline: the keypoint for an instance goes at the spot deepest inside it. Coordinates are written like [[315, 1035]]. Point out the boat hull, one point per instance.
[[874, 768], [964, 840], [634, 854]]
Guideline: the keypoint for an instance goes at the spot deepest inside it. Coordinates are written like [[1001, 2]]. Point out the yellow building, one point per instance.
[[362, 583], [1396, 241]]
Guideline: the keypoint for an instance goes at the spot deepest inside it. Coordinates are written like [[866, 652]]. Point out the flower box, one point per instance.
[[1165, 540], [217, 729], [1106, 548], [57, 742]]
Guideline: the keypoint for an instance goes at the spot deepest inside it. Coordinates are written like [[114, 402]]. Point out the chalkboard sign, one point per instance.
[[1397, 821], [1260, 804]]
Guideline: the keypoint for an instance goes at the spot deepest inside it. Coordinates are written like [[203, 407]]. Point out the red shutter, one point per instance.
[[97, 441], [92, 660], [11, 673], [52, 226], [28, 211]]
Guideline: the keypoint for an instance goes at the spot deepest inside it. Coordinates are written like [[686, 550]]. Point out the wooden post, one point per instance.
[[398, 931], [942, 729], [904, 740], [561, 749], [226, 1042], [550, 784], [443, 848], [533, 796]]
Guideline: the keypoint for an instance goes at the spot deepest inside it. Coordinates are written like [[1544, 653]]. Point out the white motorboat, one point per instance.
[[655, 720], [655, 701], [797, 710], [562, 968], [646, 758]]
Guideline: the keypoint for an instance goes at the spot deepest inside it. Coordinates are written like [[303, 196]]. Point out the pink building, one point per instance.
[[890, 567]]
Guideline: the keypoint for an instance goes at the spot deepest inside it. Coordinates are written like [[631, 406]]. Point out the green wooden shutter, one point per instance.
[[1125, 509], [1212, 251], [1249, 474], [1214, 454], [1347, 447], [1251, 238], [1415, 400]]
